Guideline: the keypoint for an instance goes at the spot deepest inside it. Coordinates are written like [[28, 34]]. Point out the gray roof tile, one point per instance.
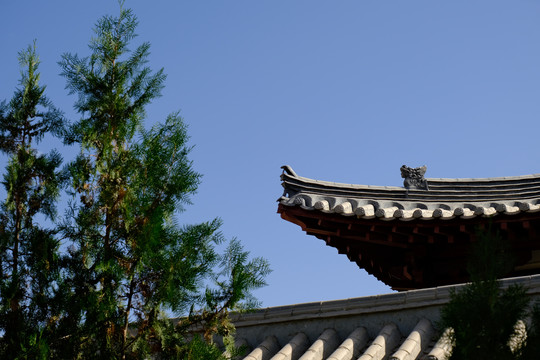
[[446, 198], [396, 326]]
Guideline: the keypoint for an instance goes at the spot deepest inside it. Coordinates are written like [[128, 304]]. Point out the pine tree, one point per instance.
[[130, 263], [483, 316], [29, 267]]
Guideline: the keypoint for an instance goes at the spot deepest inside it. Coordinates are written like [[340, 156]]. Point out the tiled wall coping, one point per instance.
[[399, 301]]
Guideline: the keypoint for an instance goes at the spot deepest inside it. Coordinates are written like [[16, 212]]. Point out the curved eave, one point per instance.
[[446, 198], [418, 254]]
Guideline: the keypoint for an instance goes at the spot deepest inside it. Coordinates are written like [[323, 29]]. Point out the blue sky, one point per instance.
[[344, 91]]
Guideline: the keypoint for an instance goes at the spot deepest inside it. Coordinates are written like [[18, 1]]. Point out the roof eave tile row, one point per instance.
[[375, 209], [508, 195]]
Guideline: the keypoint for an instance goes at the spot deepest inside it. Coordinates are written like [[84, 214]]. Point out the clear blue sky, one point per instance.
[[344, 91]]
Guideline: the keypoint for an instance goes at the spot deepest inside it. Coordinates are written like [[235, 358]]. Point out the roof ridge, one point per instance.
[[287, 170]]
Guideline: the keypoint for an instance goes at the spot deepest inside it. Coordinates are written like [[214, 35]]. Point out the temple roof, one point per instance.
[[418, 235], [446, 198]]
